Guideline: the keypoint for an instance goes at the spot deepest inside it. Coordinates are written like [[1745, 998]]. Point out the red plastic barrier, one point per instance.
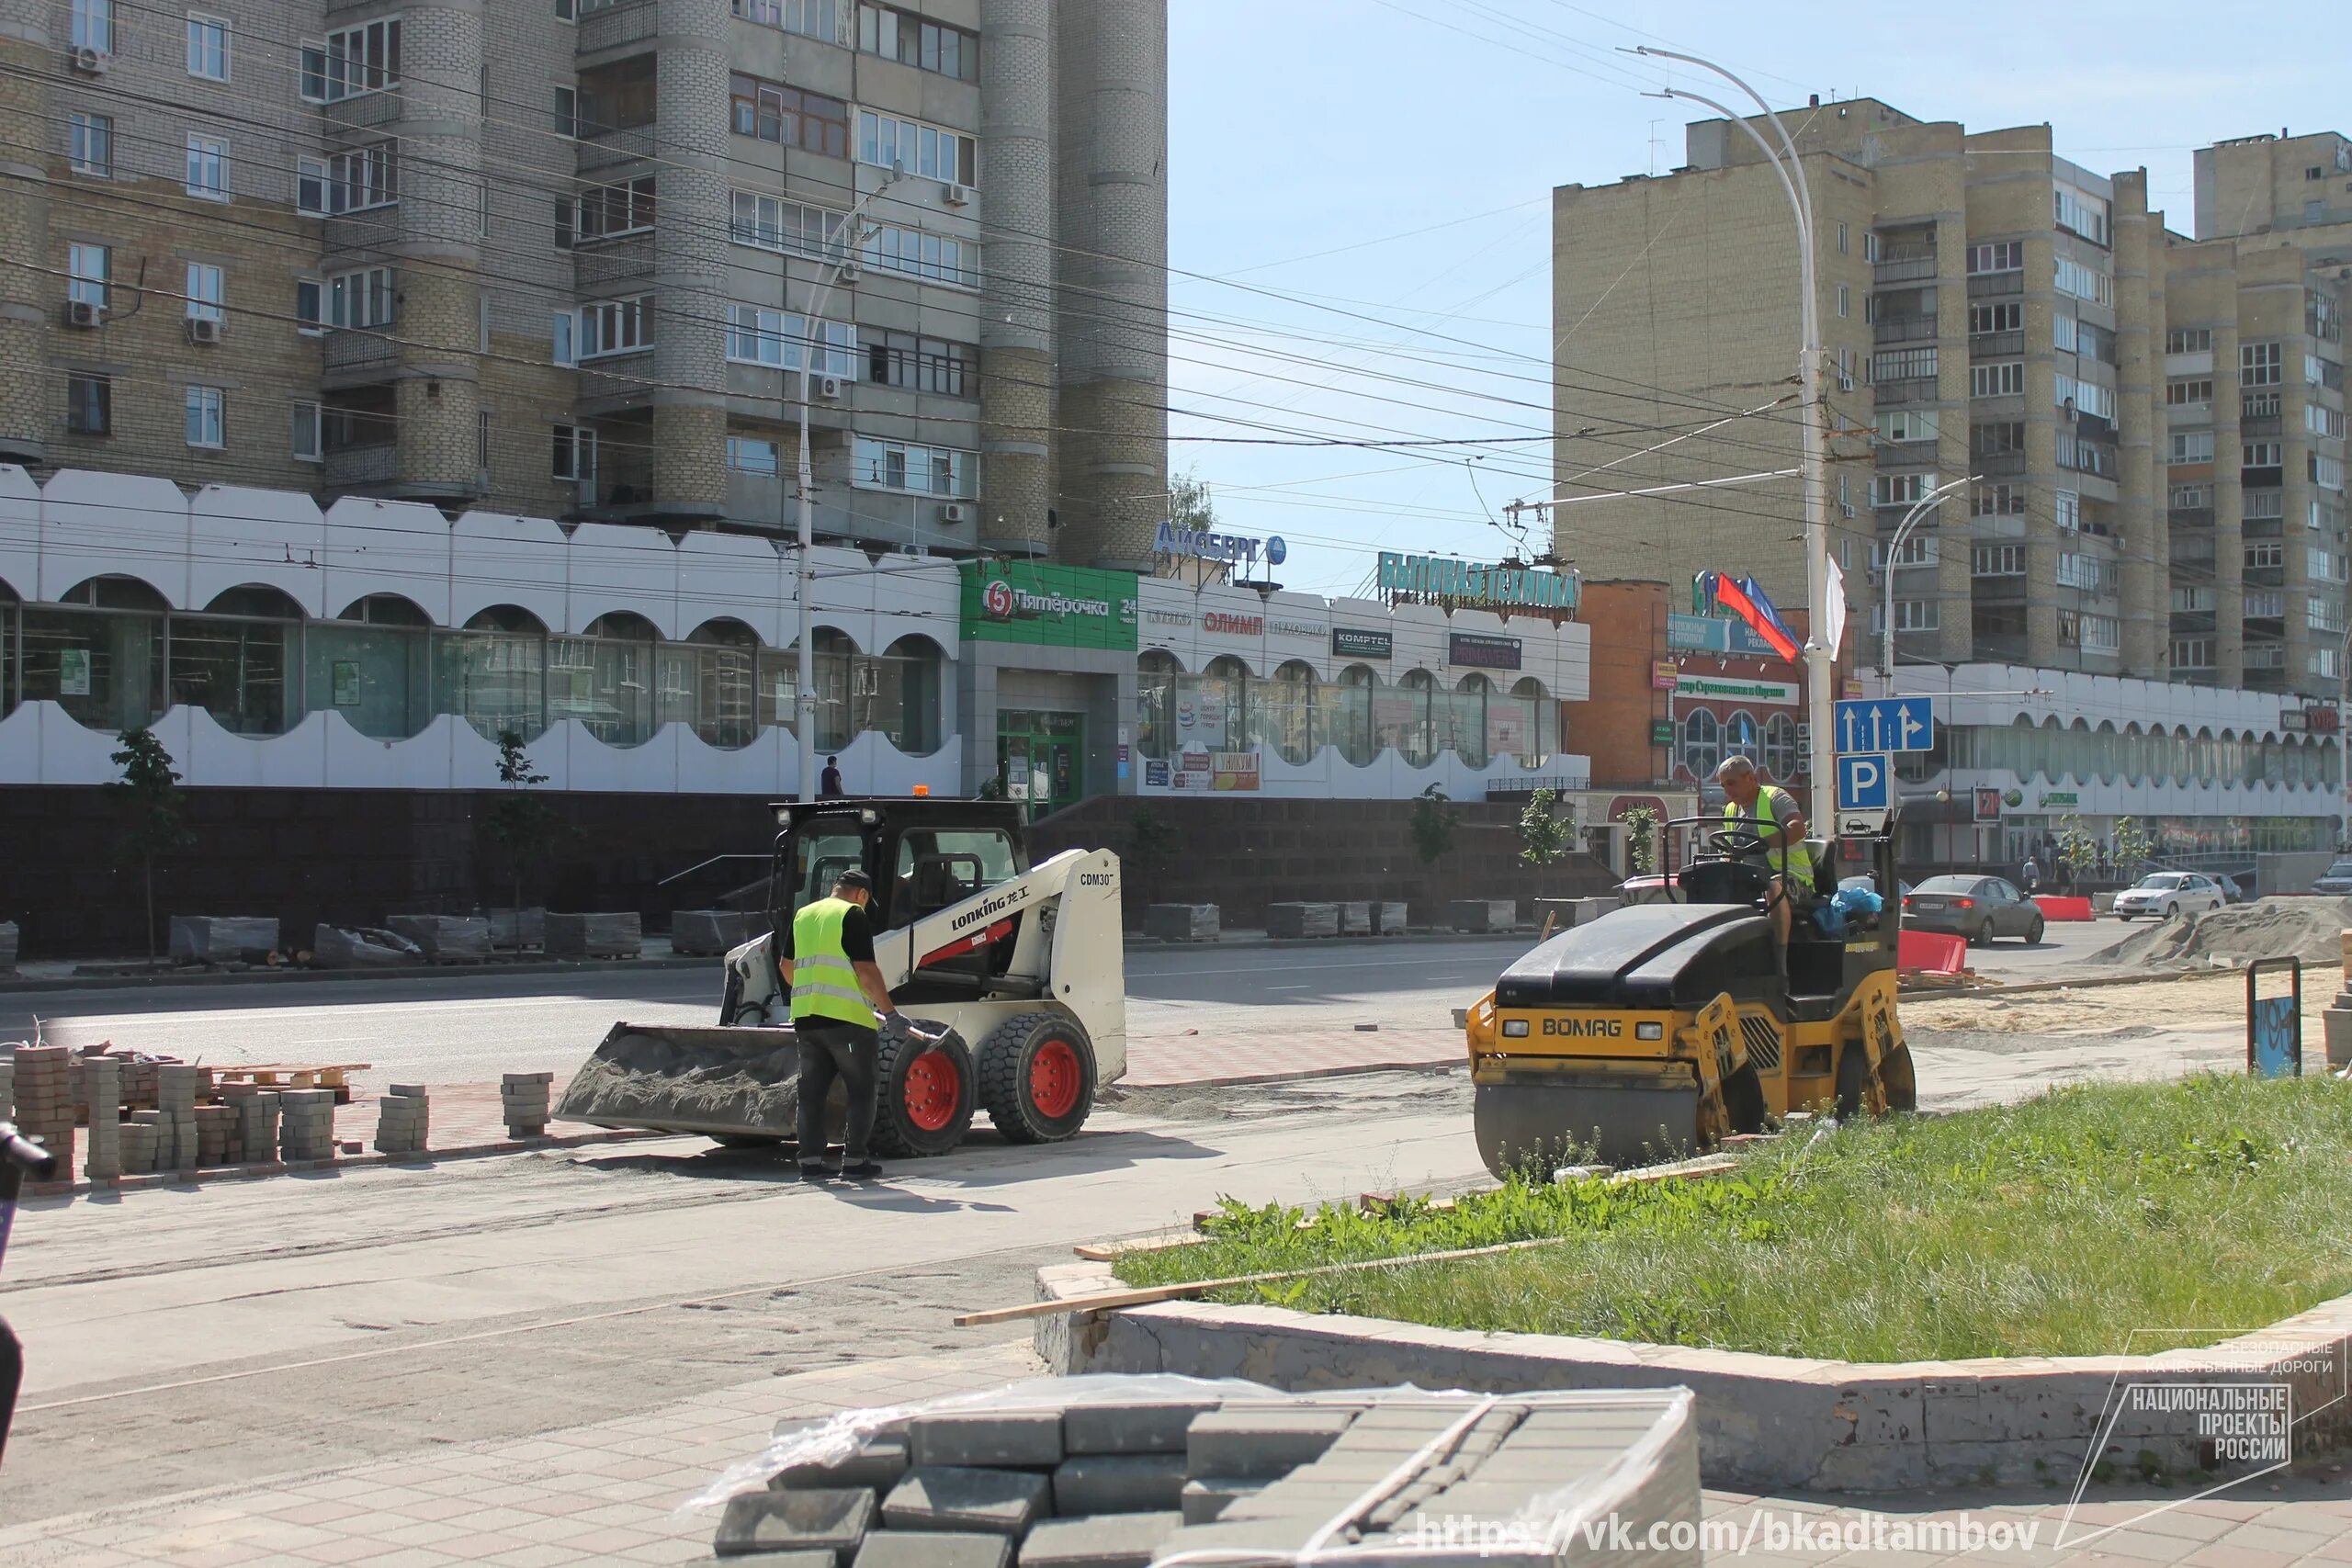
[[1932, 952], [2054, 908]]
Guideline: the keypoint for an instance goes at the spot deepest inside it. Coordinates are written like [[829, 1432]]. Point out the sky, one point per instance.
[[1360, 197]]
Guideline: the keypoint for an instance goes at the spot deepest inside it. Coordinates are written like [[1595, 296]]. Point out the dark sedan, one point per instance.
[[1977, 908]]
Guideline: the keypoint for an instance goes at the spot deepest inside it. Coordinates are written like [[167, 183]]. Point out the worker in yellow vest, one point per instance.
[[1751, 805], [839, 1003]]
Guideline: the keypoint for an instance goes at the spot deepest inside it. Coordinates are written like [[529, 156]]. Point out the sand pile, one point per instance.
[[2308, 929]]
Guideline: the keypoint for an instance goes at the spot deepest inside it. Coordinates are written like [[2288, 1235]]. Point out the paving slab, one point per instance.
[[832, 1521], [1106, 1541], [1012, 1438], [956, 1498], [1119, 1483], [1203, 1499], [877, 1465], [1260, 1443], [934, 1549], [1156, 1428]]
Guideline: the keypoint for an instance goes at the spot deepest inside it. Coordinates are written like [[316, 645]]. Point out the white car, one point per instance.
[[2161, 895]]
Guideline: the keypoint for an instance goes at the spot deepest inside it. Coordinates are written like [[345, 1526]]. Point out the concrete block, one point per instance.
[[879, 1464], [213, 939], [1591, 909], [712, 931], [1107, 1540], [1119, 1483], [934, 1549], [1261, 1444], [793, 1560], [7, 949], [1205, 1498], [2336, 1022], [595, 936], [1297, 920], [954, 1497], [1157, 1428], [446, 939], [1388, 919], [514, 928], [1355, 920], [1243, 1543], [1181, 922], [833, 1520], [1481, 914], [1018, 1438]]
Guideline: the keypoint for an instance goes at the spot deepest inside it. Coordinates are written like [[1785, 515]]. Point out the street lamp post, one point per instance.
[[1820, 665], [1911, 519], [804, 703], [2343, 743]]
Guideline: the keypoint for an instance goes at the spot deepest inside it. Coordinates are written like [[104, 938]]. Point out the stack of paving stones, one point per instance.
[[102, 1091], [523, 1099], [175, 1141], [1128, 1486], [140, 1136], [402, 1118], [306, 1127], [8, 1084], [43, 1101], [256, 1123], [214, 1124]]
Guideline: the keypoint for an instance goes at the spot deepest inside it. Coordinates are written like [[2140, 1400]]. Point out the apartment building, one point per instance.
[[590, 259], [2154, 422]]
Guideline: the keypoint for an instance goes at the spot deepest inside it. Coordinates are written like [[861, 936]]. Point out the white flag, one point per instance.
[[1833, 609]]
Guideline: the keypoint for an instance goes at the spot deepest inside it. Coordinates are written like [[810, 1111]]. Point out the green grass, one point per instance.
[[2052, 1227]]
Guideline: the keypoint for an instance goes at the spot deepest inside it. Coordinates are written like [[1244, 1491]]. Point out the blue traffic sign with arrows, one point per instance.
[[1886, 724]]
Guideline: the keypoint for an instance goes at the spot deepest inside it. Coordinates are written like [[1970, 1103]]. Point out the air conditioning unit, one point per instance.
[[1846, 507], [203, 329], [829, 387], [955, 512], [850, 272], [82, 313], [87, 61], [956, 195]]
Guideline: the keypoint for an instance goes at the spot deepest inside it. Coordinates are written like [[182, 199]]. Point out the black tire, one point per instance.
[[1899, 1079], [1744, 1101], [1853, 1077], [1037, 1077], [2033, 932], [1983, 934], [926, 1090]]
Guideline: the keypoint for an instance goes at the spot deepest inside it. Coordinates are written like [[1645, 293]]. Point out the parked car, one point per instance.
[[2161, 895], [1977, 908], [2336, 880]]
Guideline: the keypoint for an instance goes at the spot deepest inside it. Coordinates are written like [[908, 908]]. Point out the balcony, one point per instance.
[[354, 466], [355, 356], [1905, 263], [2262, 479], [1998, 647], [1997, 465], [1997, 344], [1904, 329], [1916, 389], [628, 22], [2255, 426], [1991, 285], [1905, 454], [2191, 517]]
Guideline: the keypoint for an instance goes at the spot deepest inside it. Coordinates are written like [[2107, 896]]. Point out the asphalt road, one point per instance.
[[468, 1027]]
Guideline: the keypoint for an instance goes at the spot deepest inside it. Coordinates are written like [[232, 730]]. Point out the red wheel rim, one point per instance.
[[934, 1088], [1054, 1078]]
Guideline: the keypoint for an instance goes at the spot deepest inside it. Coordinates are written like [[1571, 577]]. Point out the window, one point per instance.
[[912, 40], [746, 455], [619, 97], [922, 365], [575, 453], [1841, 240], [2080, 214], [94, 25], [208, 47], [604, 211], [1918, 549], [1997, 501], [1997, 437], [1903, 365], [362, 298], [1842, 299], [2319, 372], [2006, 256], [769, 111], [2324, 613], [2189, 339], [2066, 510], [2184, 394], [1845, 370], [2088, 573], [894, 143], [810, 19], [2260, 364], [567, 10], [2325, 472], [615, 326], [563, 340], [900, 465], [208, 168], [1703, 748], [2261, 455], [2322, 518], [91, 143], [86, 270], [2192, 446], [310, 182], [1997, 560], [780, 338], [365, 59], [2263, 553], [89, 404], [1900, 490], [2102, 634], [2322, 565], [2006, 317], [2190, 498], [2322, 421], [310, 306], [2192, 653], [1917, 615], [933, 257], [207, 417], [2325, 662], [309, 443], [1909, 424], [567, 111], [2083, 396], [2085, 283], [774, 224], [205, 293], [364, 177], [1870, 246], [2004, 378], [2265, 503]]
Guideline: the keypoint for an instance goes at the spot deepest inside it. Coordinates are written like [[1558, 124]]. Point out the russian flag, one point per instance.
[[1747, 600]]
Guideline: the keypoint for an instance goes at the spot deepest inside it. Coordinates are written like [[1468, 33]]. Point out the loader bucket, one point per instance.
[[720, 1082]]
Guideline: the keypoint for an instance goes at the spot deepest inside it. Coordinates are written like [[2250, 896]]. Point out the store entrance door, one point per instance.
[[1041, 758]]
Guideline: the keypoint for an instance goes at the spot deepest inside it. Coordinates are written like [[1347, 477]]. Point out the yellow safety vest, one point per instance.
[[823, 984], [1798, 867]]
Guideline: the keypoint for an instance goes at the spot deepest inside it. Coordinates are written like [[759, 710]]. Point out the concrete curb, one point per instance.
[[348, 1162], [307, 976], [2088, 983], [1766, 1423]]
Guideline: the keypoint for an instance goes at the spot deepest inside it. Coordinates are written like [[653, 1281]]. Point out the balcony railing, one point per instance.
[[2260, 425], [363, 466], [1985, 284], [1998, 465], [1904, 329], [2007, 343], [1916, 389], [1904, 268], [2192, 517]]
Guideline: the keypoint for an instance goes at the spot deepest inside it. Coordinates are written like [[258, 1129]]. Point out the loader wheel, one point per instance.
[[1853, 1081], [1901, 1082], [1037, 1077], [925, 1089], [1743, 1100]]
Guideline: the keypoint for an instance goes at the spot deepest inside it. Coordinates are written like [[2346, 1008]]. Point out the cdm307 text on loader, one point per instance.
[[1015, 970], [1663, 1027]]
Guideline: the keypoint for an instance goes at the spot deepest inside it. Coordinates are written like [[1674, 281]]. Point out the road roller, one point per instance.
[[1660, 1027]]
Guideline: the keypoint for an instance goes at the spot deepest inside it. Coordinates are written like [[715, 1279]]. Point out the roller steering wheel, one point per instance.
[[1737, 842]]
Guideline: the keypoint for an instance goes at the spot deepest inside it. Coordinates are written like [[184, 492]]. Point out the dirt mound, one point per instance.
[[2308, 929]]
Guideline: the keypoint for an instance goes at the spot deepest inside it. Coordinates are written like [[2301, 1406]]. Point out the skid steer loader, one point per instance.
[[1661, 1027], [1015, 972]]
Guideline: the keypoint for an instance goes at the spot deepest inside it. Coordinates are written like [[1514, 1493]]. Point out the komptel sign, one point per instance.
[[1239, 550]]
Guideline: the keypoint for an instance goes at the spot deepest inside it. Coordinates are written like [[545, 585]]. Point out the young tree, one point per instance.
[[1434, 823], [154, 813], [2077, 850], [1152, 839], [1543, 837], [2133, 846], [1189, 503], [523, 826], [1641, 839]]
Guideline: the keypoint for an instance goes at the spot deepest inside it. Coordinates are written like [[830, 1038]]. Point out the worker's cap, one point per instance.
[[855, 878]]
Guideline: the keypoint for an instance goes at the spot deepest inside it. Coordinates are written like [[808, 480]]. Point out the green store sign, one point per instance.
[[1059, 607]]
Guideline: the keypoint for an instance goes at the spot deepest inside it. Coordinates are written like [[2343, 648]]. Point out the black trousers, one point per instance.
[[851, 1052], [12, 1373]]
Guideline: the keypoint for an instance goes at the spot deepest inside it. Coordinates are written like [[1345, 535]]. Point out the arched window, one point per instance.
[[904, 705], [1742, 737], [1289, 713], [706, 681], [1415, 714], [1352, 715], [373, 664], [1702, 744], [1156, 672], [1221, 719], [492, 672], [605, 678], [1540, 721], [1781, 748], [234, 659], [2107, 749], [98, 653], [1463, 720]]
